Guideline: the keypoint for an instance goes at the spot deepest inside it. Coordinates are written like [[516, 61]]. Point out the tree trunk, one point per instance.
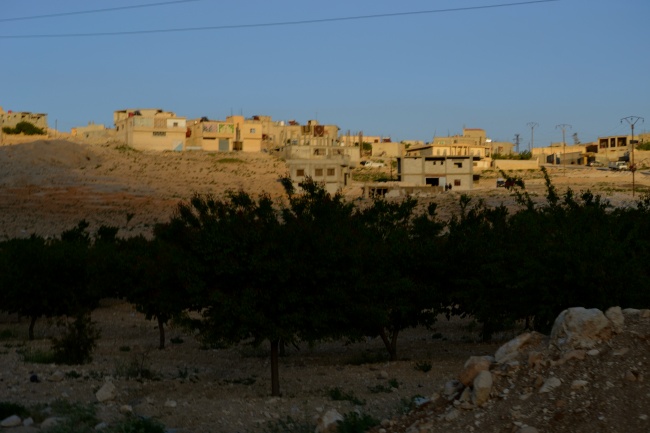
[[391, 344], [161, 329], [275, 377], [283, 348], [32, 322]]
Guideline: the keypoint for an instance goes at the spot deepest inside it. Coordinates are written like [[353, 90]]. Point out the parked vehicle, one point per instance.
[[595, 164], [618, 165]]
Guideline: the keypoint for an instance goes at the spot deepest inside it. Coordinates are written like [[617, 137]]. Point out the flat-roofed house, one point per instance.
[[150, 129]]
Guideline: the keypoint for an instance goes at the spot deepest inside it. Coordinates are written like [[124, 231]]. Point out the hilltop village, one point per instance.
[[326, 154]]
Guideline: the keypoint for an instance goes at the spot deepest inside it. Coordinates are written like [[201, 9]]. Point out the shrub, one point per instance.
[[24, 128], [38, 356], [77, 342], [8, 409], [356, 423], [138, 425], [337, 394]]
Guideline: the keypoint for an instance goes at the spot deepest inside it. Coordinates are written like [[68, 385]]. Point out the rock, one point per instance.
[[550, 384], [382, 375], [126, 409], [101, 426], [573, 354], [12, 421], [51, 422], [472, 367], [535, 360], [106, 392], [593, 352], [328, 423], [482, 388], [578, 384], [579, 328], [452, 415], [512, 348], [452, 387], [57, 376], [170, 403], [644, 314], [615, 316], [631, 312], [28, 422]]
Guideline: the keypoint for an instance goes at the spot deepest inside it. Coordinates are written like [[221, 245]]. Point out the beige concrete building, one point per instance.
[[329, 165], [92, 131], [556, 153], [230, 135], [473, 142], [425, 168], [150, 129], [12, 118]]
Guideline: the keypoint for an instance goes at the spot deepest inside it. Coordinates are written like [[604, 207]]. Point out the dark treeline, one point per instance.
[[315, 267]]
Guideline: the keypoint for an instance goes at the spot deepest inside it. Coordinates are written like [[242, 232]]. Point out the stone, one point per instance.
[[550, 384], [51, 422], [328, 423], [631, 312], [57, 376], [578, 384], [106, 392], [615, 316], [452, 415], [382, 375], [126, 409], [535, 360], [481, 388], [472, 367], [451, 388], [644, 314], [513, 348], [620, 352], [574, 354], [170, 403], [11, 421], [580, 328], [593, 352]]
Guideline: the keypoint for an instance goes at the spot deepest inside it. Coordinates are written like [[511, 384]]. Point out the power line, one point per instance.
[[275, 24], [94, 11]]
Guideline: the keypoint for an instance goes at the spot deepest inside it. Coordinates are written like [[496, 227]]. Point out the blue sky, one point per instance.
[[577, 62]]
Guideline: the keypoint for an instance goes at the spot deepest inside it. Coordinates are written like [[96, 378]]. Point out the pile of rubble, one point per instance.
[[587, 376]]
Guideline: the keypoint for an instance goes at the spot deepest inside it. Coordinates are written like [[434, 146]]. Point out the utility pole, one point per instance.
[[517, 142], [631, 120], [532, 126], [563, 126]]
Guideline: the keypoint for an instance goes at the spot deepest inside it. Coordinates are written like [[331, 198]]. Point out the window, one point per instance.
[[319, 172], [456, 182], [330, 172], [252, 130], [159, 134], [458, 164], [300, 172], [175, 124]]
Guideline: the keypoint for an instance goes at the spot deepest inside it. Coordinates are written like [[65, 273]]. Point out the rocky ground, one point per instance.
[[47, 186]]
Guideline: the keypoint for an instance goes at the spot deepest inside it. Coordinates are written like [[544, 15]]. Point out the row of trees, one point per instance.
[[314, 267]]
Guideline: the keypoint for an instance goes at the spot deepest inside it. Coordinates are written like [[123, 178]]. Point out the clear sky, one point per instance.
[[584, 63]]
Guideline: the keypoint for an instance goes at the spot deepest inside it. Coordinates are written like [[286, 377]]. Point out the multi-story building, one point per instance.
[[474, 143], [150, 129], [421, 166], [230, 135], [329, 165], [12, 118]]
